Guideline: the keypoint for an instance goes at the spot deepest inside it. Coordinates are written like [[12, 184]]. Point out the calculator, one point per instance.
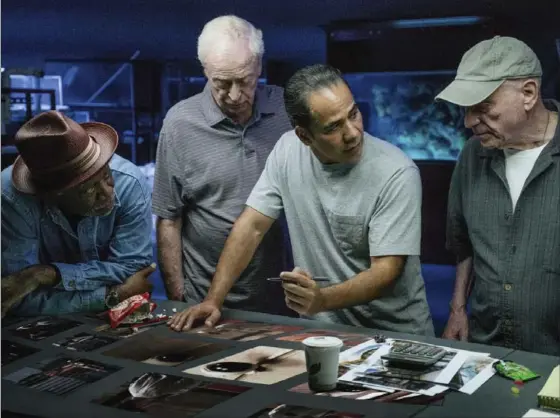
[[410, 354]]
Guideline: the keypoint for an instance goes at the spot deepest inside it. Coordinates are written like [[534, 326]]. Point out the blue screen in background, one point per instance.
[[399, 107]]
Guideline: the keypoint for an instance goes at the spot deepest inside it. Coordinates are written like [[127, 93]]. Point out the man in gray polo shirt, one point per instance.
[[504, 202], [211, 152], [352, 203]]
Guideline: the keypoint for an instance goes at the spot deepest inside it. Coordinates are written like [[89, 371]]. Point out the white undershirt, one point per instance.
[[518, 167]]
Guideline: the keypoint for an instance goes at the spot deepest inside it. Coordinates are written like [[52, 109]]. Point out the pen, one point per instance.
[[279, 279]]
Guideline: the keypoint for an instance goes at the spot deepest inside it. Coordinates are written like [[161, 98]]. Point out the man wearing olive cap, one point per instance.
[[503, 219]]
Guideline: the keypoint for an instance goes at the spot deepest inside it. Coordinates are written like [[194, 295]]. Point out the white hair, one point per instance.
[[229, 28]]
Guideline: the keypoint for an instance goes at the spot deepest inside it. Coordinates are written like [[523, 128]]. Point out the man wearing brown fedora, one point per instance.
[[76, 220], [503, 217]]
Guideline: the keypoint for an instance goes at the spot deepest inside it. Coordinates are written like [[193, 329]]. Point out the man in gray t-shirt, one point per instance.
[[352, 203]]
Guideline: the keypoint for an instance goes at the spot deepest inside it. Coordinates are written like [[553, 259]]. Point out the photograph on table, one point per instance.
[[9, 414], [162, 350], [265, 365], [8, 321], [62, 375], [164, 395], [299, 411], [238, 330], [412, 398], [12, 351], [342, 390], [119, 332], [348, 339], [84, 342], [474, 372], [347, 391], [358, 355], [44, 328], [396, 384]]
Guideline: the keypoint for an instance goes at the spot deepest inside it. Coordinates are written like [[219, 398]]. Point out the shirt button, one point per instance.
[[507, 287]]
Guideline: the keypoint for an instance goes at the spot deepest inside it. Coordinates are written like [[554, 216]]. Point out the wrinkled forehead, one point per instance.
[[232, 60]]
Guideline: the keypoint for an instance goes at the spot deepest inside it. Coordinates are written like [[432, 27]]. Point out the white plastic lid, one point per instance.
[[323, 342]]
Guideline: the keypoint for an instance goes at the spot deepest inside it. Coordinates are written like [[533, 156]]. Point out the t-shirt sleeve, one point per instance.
[[266, 196], [395, 227], [167, 195]]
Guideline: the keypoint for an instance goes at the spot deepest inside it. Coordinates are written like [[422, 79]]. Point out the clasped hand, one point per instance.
[[303, 294]]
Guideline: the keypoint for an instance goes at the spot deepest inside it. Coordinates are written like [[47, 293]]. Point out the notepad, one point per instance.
[[549, 396]]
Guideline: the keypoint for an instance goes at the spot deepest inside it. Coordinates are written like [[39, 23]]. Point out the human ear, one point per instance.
[[530, 91], [304, 135]]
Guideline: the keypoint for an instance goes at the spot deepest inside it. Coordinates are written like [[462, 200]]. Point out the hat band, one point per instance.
[[80, 163]]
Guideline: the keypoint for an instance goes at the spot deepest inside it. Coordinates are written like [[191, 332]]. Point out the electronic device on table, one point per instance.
[[410, 354]]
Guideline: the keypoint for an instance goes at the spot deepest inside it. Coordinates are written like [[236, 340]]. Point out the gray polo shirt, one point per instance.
[[516, 254], [206, 167], [340, 215]]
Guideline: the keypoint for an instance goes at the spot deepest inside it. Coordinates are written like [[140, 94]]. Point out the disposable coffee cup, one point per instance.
[[321, 359]]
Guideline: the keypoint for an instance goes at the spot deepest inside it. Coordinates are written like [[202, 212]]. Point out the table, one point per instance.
[[494, 398]]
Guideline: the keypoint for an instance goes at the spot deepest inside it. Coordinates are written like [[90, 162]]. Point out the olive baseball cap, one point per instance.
[[486, 66]]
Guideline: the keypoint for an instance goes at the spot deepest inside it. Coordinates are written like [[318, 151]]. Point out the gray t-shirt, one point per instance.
[[340, 215], [206, 167]]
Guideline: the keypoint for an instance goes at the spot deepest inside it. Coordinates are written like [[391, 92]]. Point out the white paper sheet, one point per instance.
[[537, 413]]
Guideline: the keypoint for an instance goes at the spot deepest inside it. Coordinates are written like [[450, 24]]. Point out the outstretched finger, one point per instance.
[[213, 318], [194, 315], [178, 320]]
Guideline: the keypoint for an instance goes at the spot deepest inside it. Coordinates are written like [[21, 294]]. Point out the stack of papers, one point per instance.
[[460, 370]]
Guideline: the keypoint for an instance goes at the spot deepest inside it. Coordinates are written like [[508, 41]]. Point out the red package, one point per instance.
[[132, 310]]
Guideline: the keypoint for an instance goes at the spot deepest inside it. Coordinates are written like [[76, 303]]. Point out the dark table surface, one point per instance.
[[494, 398]]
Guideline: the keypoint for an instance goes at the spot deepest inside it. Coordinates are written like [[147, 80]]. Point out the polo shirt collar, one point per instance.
[[214, 115]]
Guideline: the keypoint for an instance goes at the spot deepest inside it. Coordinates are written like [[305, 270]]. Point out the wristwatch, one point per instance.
[[112, 298]]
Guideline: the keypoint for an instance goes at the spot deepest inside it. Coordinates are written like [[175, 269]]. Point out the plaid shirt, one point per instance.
[[516, 254]]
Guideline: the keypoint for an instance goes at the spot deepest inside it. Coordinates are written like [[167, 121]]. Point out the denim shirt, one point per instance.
[[102, 251]]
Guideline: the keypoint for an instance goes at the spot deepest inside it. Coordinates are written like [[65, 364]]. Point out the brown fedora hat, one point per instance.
[[57, 153]]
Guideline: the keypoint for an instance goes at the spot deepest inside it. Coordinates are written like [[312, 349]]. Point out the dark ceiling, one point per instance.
[[295, 12], [168, 28]]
